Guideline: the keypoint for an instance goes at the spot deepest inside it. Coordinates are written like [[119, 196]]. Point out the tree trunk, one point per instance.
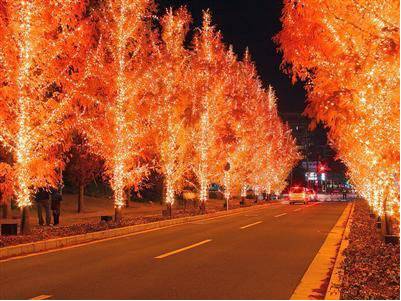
[[81, 198], [169, 210], [127, 197], [25, 226], [6, 208], [202, 207], [388, 227], [386, 223], [118, 214]]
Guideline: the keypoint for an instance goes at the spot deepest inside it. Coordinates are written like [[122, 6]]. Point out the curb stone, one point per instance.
[[57, 243], [333, 290]]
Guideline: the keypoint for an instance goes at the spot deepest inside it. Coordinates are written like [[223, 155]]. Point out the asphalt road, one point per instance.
[[261, 254]]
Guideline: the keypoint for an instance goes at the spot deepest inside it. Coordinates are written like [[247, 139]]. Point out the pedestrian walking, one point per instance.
[[42, 203], [56, 199]]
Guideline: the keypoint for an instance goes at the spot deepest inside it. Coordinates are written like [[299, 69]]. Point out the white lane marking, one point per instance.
[[280, 215], [183, 249], [122, 236], [41, 297], [85, 243], [250, 225], [299, 209]]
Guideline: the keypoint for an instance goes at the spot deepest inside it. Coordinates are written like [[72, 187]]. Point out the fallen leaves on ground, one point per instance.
[[371, 267]]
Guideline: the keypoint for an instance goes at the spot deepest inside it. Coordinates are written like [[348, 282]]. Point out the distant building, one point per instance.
[[314, 169], [299, 127]]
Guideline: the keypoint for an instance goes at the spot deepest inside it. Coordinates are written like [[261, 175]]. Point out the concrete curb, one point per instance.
[[333, 290], [57, 243], [313, 281]]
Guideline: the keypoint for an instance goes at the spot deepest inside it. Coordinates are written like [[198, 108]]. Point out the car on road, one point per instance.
[[298, 195], [312, 194]]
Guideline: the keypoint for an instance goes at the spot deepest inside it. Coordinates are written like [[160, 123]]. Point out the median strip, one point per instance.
[[250, 225], [280, 215], [183, 249]]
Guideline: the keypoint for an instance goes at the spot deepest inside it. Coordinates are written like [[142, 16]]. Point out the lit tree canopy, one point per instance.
[[120, 86], [40, 47], [138, 95], [348, 54]]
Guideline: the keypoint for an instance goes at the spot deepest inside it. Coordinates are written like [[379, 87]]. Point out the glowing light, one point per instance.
[[361, 107], [23, 140]]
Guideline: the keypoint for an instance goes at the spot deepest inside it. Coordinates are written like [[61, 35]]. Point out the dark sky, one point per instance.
[[250, 23]]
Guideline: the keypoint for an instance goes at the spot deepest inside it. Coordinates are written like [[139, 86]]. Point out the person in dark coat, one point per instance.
[[344, 193], [42, 203], [56, 199]]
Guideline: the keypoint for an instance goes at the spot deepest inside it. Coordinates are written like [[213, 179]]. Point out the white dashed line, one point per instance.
[[250, 225]]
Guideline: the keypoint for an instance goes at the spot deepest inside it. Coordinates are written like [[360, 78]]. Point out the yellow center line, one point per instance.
[[41, 297], [183, 249], [280, 214], [250, 225]]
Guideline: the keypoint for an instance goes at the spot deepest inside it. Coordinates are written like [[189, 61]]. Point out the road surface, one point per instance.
[[261, 254]]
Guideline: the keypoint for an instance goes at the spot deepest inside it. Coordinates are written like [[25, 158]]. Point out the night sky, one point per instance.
[[252, 24]]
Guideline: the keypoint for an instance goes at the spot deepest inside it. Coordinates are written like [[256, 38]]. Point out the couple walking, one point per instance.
[[45, 201]]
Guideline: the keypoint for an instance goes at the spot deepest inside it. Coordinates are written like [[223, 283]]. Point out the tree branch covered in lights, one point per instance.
[[40, 49], [174, 101], [137, 95], [348, 54], [208, 87], [117, 124]]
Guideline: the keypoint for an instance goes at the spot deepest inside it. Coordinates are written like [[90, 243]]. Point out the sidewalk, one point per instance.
[[94, 207]]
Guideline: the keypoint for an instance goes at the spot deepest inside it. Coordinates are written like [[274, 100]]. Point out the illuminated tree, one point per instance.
[[348, 54], [208, 86], [251, 136], [41, 46], [117, 123], [174, 101]]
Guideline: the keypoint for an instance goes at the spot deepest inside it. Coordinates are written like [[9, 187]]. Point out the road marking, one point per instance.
[[85, 244], [299, 209], [250, 225], [280, 215], [125, 235], [183, 249], [41, 297]]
